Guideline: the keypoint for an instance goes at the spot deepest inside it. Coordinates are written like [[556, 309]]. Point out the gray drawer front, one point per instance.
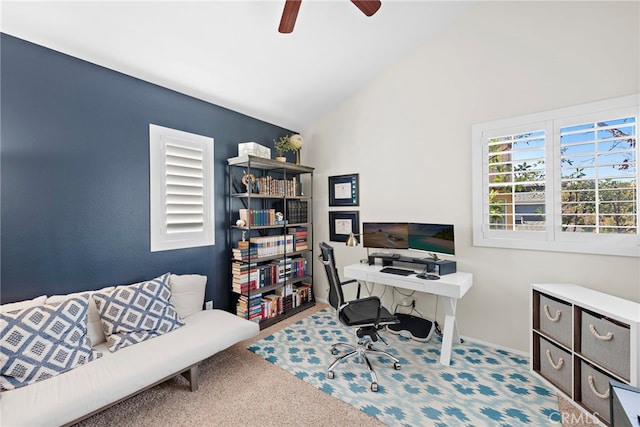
[[594, 387], [606, 343], [555, 319], [556, 365]]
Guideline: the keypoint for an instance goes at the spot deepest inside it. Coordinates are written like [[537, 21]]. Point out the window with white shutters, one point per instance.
[[181, 183], [599, 177], [516, 188], [562, 180]]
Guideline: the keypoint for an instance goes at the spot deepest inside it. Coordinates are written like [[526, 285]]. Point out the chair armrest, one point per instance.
[[347, 282]]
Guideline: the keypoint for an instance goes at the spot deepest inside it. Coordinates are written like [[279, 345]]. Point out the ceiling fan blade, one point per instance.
[[289, 15], [368, 7]]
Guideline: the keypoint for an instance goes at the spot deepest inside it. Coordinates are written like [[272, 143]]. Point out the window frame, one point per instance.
[[160, 238], [553, 239]]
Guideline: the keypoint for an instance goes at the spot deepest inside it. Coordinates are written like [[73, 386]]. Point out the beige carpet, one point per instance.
[[239, 388]]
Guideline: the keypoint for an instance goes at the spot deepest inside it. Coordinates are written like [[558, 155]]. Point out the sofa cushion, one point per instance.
[[13, 306], [134, 313], [94, 325], [187, 293], [42, 341], [118, 375]]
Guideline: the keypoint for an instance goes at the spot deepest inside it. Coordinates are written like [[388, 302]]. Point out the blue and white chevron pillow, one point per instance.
[[134, 313], [42, 341]]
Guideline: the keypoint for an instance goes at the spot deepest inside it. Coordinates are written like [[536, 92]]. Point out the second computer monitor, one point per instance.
[[432, 238]]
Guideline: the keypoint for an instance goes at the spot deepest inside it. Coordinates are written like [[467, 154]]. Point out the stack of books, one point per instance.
[[250, 307], [245, 277], [244, 254], [300, 235]]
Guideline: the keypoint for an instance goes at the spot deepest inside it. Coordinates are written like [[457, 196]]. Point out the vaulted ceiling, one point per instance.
[[230, 53]]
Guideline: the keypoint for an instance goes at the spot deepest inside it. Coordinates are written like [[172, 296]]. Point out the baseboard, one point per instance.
[[520, 353]]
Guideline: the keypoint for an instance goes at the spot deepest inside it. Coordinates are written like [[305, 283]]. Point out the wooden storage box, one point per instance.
[[556, 365], [606, 343], [556, 319], [594, 390]]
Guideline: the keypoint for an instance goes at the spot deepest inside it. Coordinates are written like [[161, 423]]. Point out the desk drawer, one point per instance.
[[556, 319], [606, 342]]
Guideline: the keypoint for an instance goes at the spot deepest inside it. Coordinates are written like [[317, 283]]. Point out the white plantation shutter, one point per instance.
[[562, 180], [599, 176], [181, 176], [184, 195], [516, 169]]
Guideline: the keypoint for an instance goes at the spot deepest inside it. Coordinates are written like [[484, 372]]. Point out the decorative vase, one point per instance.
[[281, 159], [297, 156]]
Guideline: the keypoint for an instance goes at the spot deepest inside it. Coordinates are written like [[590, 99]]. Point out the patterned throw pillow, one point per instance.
[[42, 341], [133, 313]]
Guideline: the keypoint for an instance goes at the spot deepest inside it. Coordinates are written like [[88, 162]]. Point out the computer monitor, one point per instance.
[[385, 235], [436, 238]]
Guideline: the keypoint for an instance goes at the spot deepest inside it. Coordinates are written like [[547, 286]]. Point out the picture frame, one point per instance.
[[341, 223], [343, 190]]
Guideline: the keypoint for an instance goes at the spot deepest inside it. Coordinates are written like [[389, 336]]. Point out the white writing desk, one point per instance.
[[451, 287]]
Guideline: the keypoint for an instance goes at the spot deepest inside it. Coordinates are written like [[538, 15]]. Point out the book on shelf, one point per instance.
[[300, 237], [258, 217], [243, 288], [270, 186], [244, 254], [249, 307], [296, 211], [304, 293], [271, 245]]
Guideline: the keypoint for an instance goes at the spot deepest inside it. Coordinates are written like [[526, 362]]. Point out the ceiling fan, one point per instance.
[[291, 8]]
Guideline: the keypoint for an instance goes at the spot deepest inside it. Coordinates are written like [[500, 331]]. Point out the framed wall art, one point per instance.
[[343, 190], [341, 223]]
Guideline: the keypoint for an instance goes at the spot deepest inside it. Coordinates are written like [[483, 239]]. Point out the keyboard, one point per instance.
[[398, 271]]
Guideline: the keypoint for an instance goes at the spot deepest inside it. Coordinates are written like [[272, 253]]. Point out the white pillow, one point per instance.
[[187, 293], [94, 325], [13, 306]]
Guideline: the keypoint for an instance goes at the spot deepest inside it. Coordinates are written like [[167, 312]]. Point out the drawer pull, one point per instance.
[[555, 366], [549, 316], [595, 333], [592, 386]]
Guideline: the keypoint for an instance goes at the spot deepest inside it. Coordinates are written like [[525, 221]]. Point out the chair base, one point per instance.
[[361, 350]]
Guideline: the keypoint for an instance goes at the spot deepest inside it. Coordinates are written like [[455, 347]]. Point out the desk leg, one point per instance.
[[450, 332]]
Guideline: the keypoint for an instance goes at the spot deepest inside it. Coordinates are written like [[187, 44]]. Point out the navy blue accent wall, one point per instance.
[[75, 175]]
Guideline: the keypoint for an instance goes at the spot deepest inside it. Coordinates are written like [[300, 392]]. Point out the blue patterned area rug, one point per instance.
[[482, 387]]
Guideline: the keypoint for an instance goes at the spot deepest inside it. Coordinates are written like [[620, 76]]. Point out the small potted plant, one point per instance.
[[283, 145]]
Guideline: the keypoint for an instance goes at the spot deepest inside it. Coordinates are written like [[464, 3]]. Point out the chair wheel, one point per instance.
[[374, 386], [396, 366], [330, 375]]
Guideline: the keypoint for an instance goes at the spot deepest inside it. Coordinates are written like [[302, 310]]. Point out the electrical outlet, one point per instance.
[[208, 305]]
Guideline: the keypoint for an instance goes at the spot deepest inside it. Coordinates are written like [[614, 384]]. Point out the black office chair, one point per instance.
[[367, 314]]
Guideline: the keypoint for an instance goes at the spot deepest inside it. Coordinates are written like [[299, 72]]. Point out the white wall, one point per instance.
[[408, 135]]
